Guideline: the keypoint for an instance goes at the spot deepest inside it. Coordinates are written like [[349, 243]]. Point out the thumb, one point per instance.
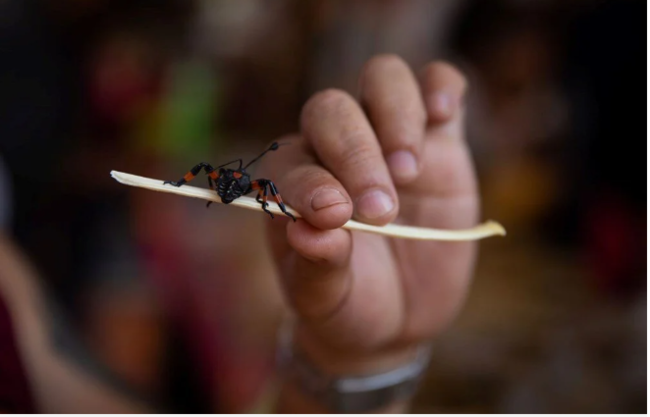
[[314, 267]]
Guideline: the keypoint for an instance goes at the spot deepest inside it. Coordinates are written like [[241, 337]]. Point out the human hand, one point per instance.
[[362, 300]]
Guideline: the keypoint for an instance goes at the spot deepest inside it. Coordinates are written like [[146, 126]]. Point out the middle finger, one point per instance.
[[391, 95]]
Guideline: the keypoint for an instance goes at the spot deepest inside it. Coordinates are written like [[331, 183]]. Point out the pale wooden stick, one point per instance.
[[487, 229]]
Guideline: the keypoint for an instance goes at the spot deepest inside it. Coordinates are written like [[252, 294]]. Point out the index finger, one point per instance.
[[337, 129]]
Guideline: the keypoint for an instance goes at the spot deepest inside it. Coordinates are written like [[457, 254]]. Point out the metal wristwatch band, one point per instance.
[[352, 394]]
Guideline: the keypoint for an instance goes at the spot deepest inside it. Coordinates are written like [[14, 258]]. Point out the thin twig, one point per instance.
[[487, 229]]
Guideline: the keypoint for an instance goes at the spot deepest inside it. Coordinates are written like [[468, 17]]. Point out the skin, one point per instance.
[[364, 302]]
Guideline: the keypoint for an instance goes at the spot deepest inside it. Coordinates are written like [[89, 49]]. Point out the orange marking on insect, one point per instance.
[[214, 175], [255, 185], [188, 177], [237, 174]]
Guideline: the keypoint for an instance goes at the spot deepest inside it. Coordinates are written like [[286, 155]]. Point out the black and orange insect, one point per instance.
[[231, 184]]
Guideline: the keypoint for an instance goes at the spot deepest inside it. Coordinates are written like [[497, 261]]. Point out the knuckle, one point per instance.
[[384, 63], [300, 181], [307, 178], [438, 69], [326, 101], [414, 119], [409, 107], [407, 138], [357, 155]]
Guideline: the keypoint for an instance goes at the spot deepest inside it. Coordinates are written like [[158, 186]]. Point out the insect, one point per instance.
[[231, 184]]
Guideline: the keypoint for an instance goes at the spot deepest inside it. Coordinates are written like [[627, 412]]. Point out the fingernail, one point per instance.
[[327, 197], [374, 204], [440, 103], [402, 165]]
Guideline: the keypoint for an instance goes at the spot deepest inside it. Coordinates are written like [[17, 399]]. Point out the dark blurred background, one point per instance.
[[174, 312]]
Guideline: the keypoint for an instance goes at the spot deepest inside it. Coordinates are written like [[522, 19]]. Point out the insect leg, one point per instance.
[[264, 203], [193, 173], [213, 186], [262, 194], [278, 199]]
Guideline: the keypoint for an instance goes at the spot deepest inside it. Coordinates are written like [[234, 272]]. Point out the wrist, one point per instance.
[[322, 378], [335, 361]]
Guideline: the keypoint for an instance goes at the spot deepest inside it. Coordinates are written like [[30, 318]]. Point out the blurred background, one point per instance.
[[158, 292]]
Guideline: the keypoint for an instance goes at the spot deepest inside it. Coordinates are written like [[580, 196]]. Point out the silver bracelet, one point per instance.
[[351, 393]]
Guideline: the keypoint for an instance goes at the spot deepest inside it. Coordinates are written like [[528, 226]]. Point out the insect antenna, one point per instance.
[[274, 146], [231, 162]]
